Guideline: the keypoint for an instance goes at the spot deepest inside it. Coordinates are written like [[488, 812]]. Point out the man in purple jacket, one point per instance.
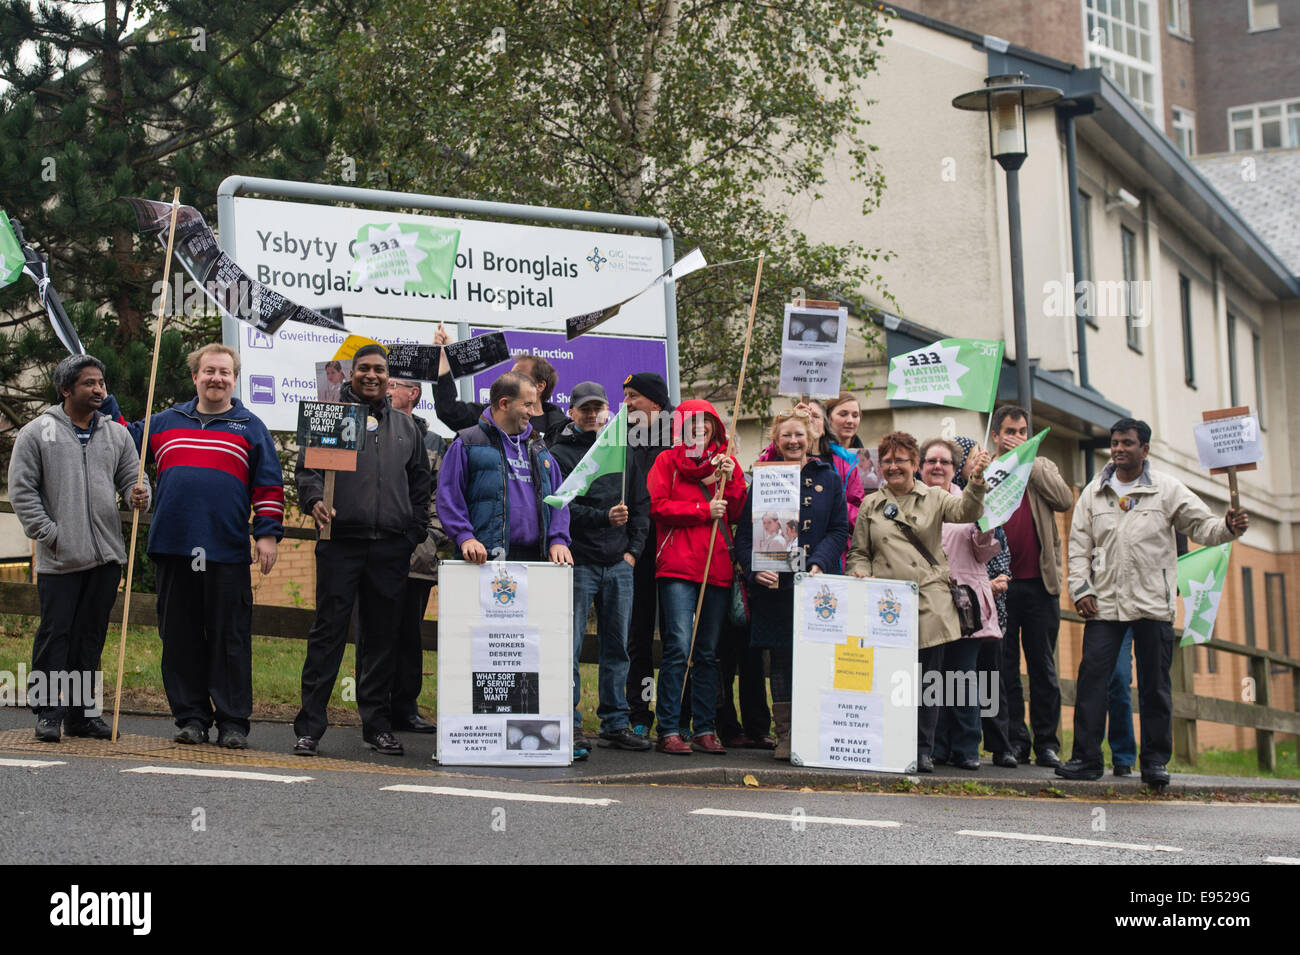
[[493, 480]]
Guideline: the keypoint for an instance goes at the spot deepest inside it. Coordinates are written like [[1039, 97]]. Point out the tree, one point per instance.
[[98, 109], [703, 113]]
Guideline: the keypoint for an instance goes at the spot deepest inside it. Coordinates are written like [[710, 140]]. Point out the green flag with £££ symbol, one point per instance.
[[405, 257], [957, 372], [1200, 581], [607, 456], [11, 255], [1007, 478]]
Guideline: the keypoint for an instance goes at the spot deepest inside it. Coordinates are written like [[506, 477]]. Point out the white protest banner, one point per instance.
[[890, 612], [826, 615], [956, 372], [1228, 442], [504, 647], [812, 350], [1007, 478], [774, 498], [851, 731]]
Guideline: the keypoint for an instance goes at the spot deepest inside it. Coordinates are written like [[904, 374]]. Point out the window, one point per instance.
[[1180, 22], [1185, 303], [1259, 379], [1085, 255], [1233, 384], [1265, 125], [1184, 125], [1128, 252], [1279, 638], [1120, 40], [1248, 604], [1262, 15]]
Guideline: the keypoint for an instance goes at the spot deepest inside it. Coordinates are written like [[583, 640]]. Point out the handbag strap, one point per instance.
[[916, 542]]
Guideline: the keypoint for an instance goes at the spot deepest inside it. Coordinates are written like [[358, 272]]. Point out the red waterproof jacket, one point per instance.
[[680, 506]]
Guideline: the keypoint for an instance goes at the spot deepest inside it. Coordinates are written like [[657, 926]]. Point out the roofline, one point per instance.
[[1090, 91]]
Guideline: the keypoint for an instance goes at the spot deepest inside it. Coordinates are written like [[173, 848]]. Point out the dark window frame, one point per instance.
[[1185, 306], [1128, 258]]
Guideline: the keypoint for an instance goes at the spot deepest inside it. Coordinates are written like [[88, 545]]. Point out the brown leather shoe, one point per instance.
[[673, 745], [708, 743], [764, 742], [740, 741]]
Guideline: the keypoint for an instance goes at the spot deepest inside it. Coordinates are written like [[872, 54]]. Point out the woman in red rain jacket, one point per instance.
[[683, 484]]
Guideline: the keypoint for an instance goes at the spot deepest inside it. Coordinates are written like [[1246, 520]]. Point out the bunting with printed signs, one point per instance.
[[1007, 477], [1201, 574], [956, 372], [14, 249]]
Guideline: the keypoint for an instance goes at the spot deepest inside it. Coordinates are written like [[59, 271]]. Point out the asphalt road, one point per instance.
[[86, 810]]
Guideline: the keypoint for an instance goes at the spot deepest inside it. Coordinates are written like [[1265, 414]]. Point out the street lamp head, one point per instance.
[[1005, 99]]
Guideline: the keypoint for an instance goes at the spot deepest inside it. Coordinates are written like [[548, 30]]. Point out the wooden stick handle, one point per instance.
[[1234, 499], [329, 503], [144, 453]]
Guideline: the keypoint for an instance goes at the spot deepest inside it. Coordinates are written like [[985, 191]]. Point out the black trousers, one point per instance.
[[641, 635], [205, 619], [1153, 648], [70, 640], [1033, 622], [409, 671], [737, 657], [997, 730], [373, 574]]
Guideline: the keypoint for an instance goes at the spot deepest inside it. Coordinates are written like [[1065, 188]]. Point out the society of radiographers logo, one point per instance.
[[825, 604], [504, 588], [890, 608]]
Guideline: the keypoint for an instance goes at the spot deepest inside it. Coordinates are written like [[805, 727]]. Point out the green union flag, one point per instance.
[[11, 256], [607, 456], [1007, 478], [405, 257], [957, 372], [1201, 574]]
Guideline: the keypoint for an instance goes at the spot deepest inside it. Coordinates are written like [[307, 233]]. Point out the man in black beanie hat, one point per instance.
[[649, 423]]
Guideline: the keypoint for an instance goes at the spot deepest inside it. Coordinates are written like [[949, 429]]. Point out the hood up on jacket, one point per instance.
[[690, 408]]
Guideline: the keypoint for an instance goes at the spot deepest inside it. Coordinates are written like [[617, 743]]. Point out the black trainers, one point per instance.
[[192, 733], [1078, 769], [306, 746], [624, 739], [385, 743], [232, 738], [47, 731], [95, 728]]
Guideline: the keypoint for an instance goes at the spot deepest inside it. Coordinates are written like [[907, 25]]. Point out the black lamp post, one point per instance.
[[1006, 99]]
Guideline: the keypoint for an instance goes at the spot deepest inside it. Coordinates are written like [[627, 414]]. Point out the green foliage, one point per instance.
[[721, 118], [96, 108]]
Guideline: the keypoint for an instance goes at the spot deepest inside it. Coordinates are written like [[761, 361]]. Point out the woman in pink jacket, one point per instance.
[[957, 738]]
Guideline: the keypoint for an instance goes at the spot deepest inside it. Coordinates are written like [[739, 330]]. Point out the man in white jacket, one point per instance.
[[1123, 573]]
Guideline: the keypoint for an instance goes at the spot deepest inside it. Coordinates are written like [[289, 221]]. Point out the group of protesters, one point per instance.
[[669, 542]]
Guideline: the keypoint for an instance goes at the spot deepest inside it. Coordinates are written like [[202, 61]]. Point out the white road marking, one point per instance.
[[789, 817], [1030, 837], [1282, 860], [32, 763], [501, 796], [217, 774]]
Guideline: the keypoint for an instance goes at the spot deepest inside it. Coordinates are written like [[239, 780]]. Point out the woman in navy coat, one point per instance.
[[823, 531]]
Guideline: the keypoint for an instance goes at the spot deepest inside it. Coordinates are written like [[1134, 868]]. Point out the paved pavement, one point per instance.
[[273, 741]]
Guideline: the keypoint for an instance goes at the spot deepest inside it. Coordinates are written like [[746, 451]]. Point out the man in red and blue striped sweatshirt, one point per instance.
[[216, 462]]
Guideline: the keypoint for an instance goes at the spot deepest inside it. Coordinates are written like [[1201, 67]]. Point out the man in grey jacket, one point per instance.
[[1123, 574], [65, 474]]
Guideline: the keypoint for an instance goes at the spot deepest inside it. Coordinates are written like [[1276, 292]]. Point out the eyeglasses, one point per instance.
[[941, 462], [787, 415]]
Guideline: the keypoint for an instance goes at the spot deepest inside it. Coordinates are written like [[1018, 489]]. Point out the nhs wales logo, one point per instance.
[[890, 609], [825, 604], [505, 589]]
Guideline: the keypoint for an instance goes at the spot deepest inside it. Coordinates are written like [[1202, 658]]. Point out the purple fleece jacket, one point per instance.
[[520, 495]]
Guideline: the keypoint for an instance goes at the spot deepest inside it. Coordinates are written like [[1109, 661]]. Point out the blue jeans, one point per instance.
[[611, 589], [1119, 729], [676, 614]]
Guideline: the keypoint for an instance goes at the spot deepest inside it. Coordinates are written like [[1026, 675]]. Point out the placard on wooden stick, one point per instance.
[[1228, 441], [331, 434]]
